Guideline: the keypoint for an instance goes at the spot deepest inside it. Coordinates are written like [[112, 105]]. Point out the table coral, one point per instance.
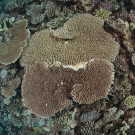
[[96, 80], [11, 50], [45, 89], [87, 40]]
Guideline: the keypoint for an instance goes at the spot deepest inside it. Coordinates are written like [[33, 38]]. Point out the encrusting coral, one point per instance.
[[45, 89], [11, 50], [88, 40], [96, 80]]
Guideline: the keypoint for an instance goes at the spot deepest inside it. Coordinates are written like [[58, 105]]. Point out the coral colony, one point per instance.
[[67, 67]]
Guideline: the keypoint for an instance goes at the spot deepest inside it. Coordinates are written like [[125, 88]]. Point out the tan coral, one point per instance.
[[133, 59], [9, 91], [87, 40], [45, 90], [11, 50], [94, 83]]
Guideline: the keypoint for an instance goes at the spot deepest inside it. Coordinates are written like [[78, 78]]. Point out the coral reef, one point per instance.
[[65, 36]]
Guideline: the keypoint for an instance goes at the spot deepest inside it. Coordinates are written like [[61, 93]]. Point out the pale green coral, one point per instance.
[[130, 101], [103, 14], [132, 25]]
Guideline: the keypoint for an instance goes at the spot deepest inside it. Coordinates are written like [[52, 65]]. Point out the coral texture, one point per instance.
[[89, 116], [9, 91], [131, 15], [50, 8], [88, 40], [130, 101], [96, 80], [121, 64], [103, 14], [11, 50], [65, 120], [88, 129], [119, 25], [112, 115], [45, 90], [35, 12], [14, 4], [133, 59]]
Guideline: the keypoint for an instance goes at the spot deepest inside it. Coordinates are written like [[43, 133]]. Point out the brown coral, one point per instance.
[[45, 90], [94, 83], [121, 64], [9, 91], [88, 40], [119, 25], [11, 50]]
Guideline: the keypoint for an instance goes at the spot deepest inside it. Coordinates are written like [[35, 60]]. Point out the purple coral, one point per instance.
[[106, 5], [131, 15], [89, 116], [95, 2]]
